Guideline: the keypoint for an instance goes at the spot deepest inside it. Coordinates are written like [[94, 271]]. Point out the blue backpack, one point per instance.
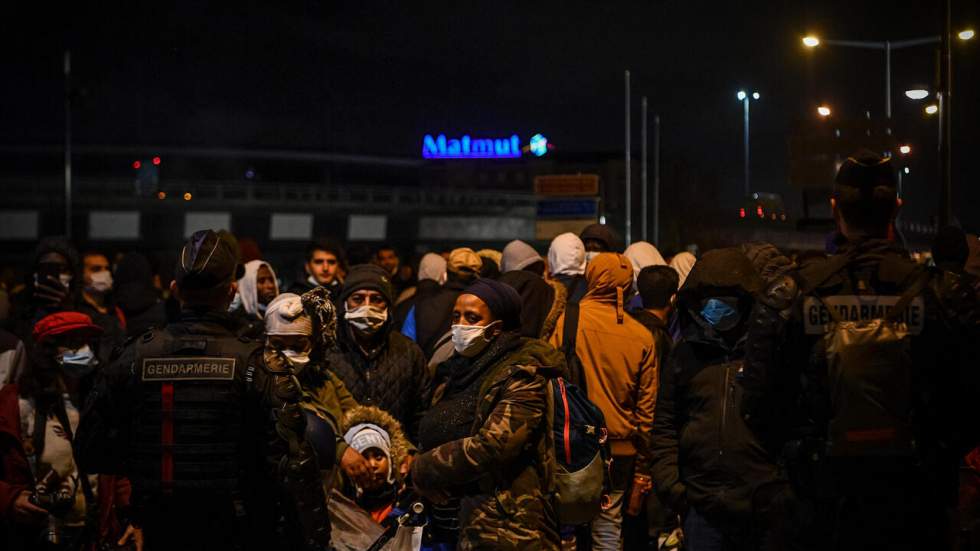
[[580, 434]]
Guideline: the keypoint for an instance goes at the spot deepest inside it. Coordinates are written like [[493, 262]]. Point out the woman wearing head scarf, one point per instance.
[[299, 331], [256, 289], [487, 463], [432, 274], [683, 263]]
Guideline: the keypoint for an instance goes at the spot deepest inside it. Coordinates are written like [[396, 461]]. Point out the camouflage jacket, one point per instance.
[[509, 457]]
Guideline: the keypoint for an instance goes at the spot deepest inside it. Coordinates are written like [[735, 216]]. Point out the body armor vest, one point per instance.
[[190, 429]]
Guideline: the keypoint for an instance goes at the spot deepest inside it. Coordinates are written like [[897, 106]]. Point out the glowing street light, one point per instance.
[[917, 94], [905, 149], [740, 95], [823, 111], [967, 34], [811, 41], [932, 109]]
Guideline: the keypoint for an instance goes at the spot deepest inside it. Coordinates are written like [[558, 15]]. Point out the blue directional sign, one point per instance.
[[567, 208]]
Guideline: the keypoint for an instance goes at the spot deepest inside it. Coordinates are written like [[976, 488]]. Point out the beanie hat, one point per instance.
[[365, 436], [518, 255], [285, 316], [603, 233], [503, 301], [464, 261], [367, 276]]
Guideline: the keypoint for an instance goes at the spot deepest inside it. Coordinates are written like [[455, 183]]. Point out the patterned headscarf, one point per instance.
[[321, 310]]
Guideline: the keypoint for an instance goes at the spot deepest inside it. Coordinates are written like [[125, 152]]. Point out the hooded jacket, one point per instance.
[[683, 263], [618, 355], [248, 296], [641, 255], [503, 471], [566, 264], [392, 375], [542, 302], [703, 453]]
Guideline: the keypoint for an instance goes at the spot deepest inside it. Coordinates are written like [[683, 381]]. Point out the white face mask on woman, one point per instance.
[[470, 340], [367, 319]]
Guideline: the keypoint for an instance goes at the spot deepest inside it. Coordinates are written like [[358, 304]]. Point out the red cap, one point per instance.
[[64, 322]]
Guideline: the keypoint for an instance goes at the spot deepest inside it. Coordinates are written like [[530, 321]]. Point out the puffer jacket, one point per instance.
[[509, 457], [618, 356], [392, 377]]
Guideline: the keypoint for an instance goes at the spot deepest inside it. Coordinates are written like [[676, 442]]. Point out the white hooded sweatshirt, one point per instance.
[[566, 255], [643, 254]]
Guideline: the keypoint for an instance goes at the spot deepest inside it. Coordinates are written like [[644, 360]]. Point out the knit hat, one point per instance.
[[603, 233], [518, 255], [367, 276], [464, 261], [285, 316], [60, 323], [368, 435], [503, 301]]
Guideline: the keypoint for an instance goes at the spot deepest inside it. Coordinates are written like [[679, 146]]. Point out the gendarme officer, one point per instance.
[[201, 427], [858, 369]]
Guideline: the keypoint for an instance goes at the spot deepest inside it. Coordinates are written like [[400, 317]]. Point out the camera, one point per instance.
[[56, 496]]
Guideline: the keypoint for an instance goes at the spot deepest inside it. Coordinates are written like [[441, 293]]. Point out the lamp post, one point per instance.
[[745, 98], [886, 46]]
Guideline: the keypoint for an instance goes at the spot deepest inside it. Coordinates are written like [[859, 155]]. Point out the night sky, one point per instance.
[[372, 77]]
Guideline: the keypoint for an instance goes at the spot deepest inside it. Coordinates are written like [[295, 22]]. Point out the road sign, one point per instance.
[[546, 230], [567, 184], [567, 208]]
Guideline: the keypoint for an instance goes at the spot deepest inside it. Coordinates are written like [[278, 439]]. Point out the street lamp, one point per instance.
[[887, 46], [904, 149], [744, 98], [917, 93], [967, 34], [823, 111], [932, 109]]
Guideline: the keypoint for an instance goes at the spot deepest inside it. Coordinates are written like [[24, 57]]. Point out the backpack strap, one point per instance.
[[908, 296], [569, 332]]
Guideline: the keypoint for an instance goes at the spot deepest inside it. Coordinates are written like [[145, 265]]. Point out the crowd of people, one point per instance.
[[747, 398]]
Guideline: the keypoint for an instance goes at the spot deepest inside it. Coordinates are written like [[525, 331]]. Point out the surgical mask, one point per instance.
[[101, 282], [721, 313], [470, 340], [367, 319], [236, 302], [589, 255], [296, 360], [78, 363]]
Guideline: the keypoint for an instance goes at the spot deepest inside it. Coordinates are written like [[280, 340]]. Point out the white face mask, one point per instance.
[[470, 340], [367, 319], [296, 360], [101, 282], [590, 255]]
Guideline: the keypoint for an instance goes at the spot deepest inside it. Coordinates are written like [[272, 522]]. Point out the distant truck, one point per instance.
[[763, 208]]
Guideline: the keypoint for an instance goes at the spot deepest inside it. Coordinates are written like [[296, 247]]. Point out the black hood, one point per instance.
[[721, 272]]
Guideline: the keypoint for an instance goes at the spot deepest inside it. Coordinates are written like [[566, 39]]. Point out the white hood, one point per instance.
[[643, 254], [683, 262], [433, 266], [248, 286], [566, 256]]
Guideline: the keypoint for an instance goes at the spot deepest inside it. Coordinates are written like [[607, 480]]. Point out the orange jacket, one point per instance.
[[618, 356]]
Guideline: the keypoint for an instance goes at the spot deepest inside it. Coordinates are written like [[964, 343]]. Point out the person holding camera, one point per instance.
[[46, 502]]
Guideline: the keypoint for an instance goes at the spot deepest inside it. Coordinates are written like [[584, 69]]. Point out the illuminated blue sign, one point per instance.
[[465, 147]]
